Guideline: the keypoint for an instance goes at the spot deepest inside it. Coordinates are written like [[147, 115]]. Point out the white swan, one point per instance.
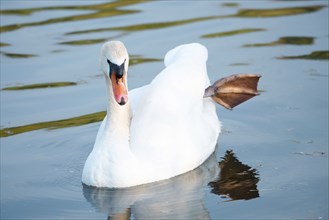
[[158, 131]]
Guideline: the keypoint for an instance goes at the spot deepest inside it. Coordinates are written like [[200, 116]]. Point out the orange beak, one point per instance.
[[120, 90]]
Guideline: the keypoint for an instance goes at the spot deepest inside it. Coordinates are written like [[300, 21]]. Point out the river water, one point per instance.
[[271, 160]]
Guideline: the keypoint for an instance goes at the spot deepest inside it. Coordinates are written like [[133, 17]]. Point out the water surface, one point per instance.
[[271, 160]]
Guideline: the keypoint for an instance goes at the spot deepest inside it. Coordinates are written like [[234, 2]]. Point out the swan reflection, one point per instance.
[[181, 197], [236, 180]]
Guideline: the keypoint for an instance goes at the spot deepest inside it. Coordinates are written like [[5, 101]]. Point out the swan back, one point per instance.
[[193, 52]]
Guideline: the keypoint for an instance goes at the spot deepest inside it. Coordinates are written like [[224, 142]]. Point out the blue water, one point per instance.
[[280, 138]]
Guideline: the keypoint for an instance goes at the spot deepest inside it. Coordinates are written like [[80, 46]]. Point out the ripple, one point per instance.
[[179, 197]]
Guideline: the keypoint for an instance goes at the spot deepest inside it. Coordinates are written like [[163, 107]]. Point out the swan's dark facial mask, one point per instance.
[[117, 70], [119, 85]]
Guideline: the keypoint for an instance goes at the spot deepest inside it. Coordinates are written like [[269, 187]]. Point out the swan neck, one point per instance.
[[118, 116]]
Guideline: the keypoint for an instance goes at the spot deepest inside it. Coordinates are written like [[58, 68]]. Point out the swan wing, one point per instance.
[[173, 125]]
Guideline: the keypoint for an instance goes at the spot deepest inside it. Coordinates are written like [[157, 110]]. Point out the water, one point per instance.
[[272, 156]]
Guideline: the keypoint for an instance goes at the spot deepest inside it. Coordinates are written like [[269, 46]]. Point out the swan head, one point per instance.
[[114, 64]]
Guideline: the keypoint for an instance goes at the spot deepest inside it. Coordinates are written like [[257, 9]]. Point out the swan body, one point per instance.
[[158, 131]]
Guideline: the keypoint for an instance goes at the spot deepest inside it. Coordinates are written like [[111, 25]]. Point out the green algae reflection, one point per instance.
[[230, 4], [84, 42], [276, 12], [137, 59], [111, 9], [286, 41], [41, 85], [17, 55], [316, 55], [97, 7], [4, 44], [247, 13], [230, 33], [65, 123], [145, 26], [100, 11]]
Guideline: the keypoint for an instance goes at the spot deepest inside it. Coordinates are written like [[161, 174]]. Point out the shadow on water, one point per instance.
[[236, 180], [179, 197]]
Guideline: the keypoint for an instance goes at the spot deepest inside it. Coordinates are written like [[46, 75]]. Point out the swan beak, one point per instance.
[[119, 86]]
